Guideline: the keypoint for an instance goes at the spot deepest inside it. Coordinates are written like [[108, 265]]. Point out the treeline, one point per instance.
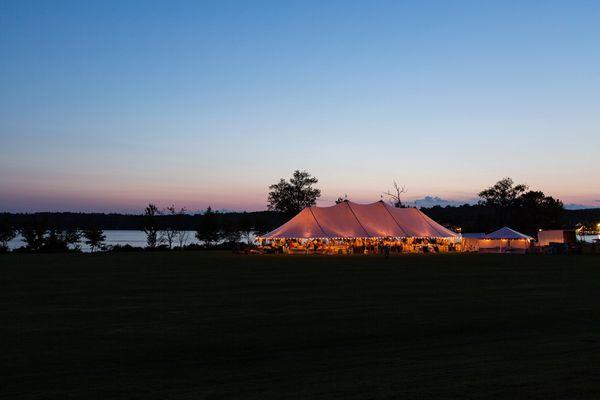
[[503, 204], [507, 204], [588, 218], [471, 218], [482, 218], [260, 220], [165, 229], [60, 232]]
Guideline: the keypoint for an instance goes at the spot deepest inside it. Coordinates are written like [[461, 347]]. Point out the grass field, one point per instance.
[[200, 325]]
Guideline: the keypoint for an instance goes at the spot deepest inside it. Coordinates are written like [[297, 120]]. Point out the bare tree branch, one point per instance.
[[395, 195]]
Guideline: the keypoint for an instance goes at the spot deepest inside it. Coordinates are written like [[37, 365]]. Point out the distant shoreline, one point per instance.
[[463, 216]]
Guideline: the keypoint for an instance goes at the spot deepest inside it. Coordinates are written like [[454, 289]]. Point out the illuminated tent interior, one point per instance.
[[347, 223], [352, 220], [505, 240]]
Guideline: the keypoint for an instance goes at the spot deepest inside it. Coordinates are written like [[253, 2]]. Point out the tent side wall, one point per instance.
[[504, 245], [470, 244]]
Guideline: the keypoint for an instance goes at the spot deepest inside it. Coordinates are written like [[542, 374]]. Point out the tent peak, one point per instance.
[[507, 233]]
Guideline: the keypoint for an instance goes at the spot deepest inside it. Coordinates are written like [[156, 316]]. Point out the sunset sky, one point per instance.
[[108, 105]]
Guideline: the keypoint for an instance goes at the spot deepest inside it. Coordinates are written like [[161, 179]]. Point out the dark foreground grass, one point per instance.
[[212, 325]]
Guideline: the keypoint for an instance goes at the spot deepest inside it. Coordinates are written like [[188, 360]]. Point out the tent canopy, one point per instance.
[[475, 235], [507, 233], [352, 220]]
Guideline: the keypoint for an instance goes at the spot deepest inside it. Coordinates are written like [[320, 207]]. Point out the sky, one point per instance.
[[109, 105]]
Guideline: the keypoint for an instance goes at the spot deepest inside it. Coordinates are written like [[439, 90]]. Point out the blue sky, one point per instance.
[[109, 105]]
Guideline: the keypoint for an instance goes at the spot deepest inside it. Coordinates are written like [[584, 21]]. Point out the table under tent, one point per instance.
[[349, 227]]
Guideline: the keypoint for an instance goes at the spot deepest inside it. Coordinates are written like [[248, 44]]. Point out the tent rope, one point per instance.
[[317, 221], [357, 220], [394, 218]]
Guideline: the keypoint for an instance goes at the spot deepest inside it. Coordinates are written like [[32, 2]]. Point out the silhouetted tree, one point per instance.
[[58, 240], [172, 233], [208, 231], [291, 197], [82, 221], [7, 233], [501, 200], [94, 238], [34, 233], [71, 237], [514, 205], [535, 210], [504, 193], [395, 195], [246, 227], [262, 227], [151, 226], [230, 233], [182, 238]]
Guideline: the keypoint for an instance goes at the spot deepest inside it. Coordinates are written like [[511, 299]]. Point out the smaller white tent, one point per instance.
[[507, 233], [470, 241], [505, 240]]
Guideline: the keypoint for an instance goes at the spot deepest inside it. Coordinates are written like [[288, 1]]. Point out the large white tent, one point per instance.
[[352, 220]]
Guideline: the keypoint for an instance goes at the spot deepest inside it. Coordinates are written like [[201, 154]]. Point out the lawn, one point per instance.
[[196, 325]]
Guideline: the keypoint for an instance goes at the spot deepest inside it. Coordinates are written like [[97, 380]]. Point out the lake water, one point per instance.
[[589, 238], [121, 237], [138, 239]]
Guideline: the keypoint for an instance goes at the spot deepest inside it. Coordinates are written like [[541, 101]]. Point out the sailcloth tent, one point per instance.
[[352, 220]]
